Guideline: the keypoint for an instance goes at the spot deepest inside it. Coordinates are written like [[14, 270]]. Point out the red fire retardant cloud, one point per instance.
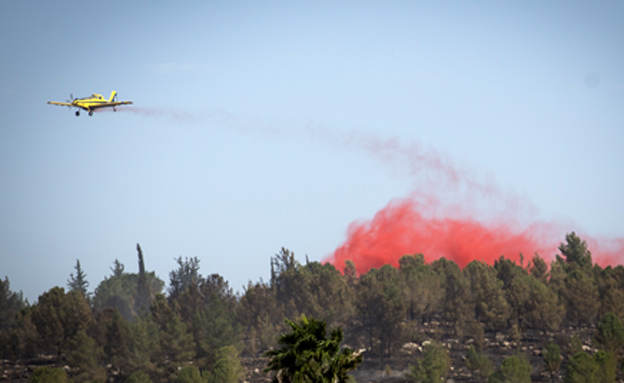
[[403, 228]]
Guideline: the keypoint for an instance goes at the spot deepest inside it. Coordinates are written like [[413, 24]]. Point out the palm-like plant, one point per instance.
[[306, 355]]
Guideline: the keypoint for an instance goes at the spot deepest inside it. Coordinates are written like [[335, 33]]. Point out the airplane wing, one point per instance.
[[110, 104], [60, 103]]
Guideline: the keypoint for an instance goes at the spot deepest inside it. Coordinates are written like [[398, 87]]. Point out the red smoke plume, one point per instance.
[[404, 227], [423, 224]]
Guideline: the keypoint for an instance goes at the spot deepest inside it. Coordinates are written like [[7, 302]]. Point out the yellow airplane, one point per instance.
[[96, 101]]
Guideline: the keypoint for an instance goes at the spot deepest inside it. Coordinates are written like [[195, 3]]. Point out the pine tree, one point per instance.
[[610, 334], [433, 366], [607, 366], [539, 270], [381, 309], [581, 297], [118, 269], [456, 301], [10, 304], [59, 316], [144, 346], [117, 342], [143, 289], [515, 369], [177, 343], [258, 313], [422, 290], [575, 252], [487, 295], [188, 374], [24, 340], [582, 368], [214, 326], [48, 375], [83, 357], [186, 275], [552, 358], [228, 367], [79, 282], [477, 362]]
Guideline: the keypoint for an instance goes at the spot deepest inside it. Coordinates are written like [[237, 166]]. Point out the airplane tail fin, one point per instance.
[[113, 95]]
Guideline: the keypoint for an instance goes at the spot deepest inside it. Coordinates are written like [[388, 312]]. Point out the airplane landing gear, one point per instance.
[[77, 113], [90, 113]]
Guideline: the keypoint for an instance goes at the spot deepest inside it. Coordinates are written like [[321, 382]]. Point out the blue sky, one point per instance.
[[249, 117]]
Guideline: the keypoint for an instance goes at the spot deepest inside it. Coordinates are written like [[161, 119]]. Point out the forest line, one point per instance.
[[131, 327]]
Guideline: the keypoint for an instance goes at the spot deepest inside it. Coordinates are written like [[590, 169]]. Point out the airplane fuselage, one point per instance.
[[96, 101], [91, 103]]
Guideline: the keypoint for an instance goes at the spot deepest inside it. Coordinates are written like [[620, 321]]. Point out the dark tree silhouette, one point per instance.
[[143, 288], [79, 281], [306, 355]]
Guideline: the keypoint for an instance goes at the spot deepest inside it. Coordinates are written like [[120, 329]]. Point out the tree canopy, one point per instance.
[[306, 355], [131, 328]]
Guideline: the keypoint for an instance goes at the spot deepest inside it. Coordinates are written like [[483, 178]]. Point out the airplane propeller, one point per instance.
[[71, 101]]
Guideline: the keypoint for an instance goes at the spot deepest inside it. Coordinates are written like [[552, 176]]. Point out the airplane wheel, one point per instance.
[[90, 113], [77, 113]]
